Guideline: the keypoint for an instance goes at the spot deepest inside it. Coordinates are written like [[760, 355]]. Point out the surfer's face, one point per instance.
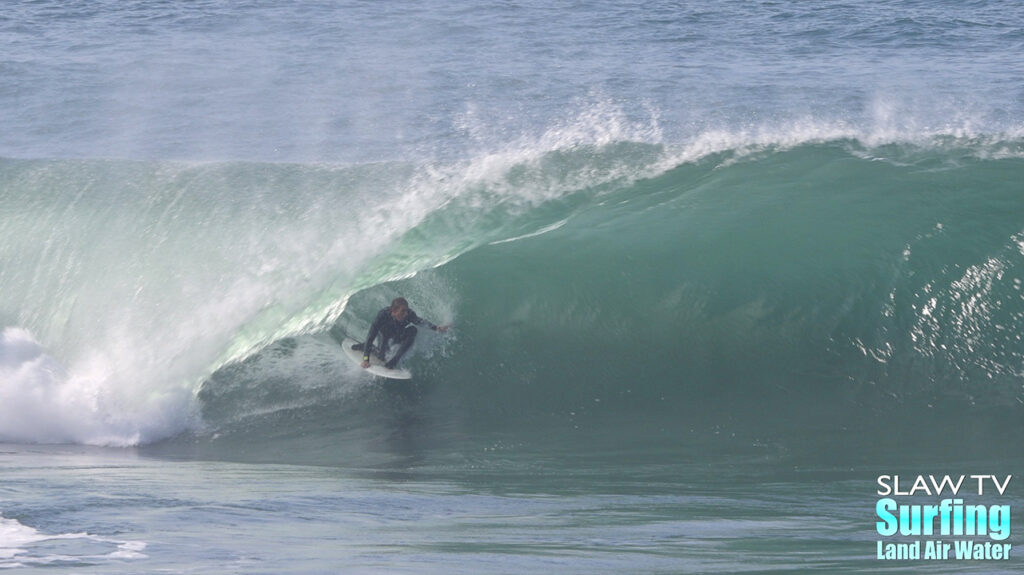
[[400, 313]]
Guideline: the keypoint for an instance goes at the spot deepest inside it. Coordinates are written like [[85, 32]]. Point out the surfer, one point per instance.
[[394, 324]]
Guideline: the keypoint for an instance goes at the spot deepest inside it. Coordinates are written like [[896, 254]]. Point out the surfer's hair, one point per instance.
[[399, 303]]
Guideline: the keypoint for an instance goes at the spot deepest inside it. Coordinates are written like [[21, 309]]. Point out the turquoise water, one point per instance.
[[711, 270]]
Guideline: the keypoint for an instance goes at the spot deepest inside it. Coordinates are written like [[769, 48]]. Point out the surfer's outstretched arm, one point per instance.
[[420, 321]]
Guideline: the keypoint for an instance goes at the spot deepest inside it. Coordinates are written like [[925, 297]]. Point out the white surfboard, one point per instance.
[[376, 365]]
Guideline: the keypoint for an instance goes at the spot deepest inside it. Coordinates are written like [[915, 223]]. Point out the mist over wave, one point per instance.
[[355, 83]]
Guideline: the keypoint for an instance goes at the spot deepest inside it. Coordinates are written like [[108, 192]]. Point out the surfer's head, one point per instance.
[[399, 308]]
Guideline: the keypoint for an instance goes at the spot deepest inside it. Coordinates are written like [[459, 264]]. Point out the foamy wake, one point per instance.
[[18, 547]]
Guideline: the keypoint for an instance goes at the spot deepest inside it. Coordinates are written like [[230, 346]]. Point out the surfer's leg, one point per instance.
[[406, 339]]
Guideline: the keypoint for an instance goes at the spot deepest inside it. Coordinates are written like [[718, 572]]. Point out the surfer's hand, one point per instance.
[[365, 364], [442, 328]]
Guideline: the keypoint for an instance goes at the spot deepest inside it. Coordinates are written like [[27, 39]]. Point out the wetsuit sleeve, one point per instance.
[[374, 330], [420, 321]]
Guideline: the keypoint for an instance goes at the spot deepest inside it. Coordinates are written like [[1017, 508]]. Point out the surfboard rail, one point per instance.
[[376, 365]]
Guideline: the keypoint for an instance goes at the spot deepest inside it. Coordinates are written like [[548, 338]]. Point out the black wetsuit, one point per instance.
[[390, 330]]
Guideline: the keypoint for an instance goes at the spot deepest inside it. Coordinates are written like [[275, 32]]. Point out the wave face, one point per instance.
[[589, 279], [127, 283]]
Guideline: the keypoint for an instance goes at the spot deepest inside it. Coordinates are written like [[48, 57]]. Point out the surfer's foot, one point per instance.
[[391, 364], [357, 346]]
